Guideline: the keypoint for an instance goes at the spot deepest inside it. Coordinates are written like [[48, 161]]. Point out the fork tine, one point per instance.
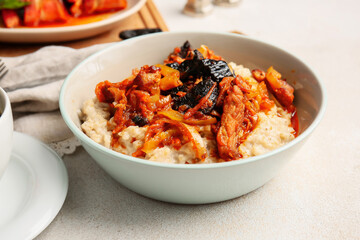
[[3, 69]]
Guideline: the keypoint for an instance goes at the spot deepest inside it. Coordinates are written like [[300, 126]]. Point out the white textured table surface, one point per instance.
[[316, 196]]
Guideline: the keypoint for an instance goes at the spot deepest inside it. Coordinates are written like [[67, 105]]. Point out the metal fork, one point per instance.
[[3, 69]]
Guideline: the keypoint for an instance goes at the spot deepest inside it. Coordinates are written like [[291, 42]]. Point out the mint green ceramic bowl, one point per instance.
[[191, 184], [6, 131]]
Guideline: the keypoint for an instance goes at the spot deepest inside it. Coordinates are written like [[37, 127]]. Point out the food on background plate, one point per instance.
[[193, 108], [49, 13]]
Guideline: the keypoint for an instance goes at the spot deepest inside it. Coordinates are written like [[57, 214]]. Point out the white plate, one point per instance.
[[32, 190], [59, 34]]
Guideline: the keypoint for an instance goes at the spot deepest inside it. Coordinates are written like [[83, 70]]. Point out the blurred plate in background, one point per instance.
[[60, 34]]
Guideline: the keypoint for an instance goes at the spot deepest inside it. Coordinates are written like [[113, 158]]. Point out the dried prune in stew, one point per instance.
[[201, 89], [191, 68], [216, 69], [192, 98], [200, 67], [174, 91], [173, 65], [185, 48], [140, 120]]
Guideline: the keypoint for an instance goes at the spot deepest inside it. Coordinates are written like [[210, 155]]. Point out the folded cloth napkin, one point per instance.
[[33, 85]]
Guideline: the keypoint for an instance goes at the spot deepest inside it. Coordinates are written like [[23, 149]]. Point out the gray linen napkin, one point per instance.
[[33, 84]]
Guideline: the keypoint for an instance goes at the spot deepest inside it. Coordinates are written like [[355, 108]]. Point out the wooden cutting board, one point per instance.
[[147, 17]]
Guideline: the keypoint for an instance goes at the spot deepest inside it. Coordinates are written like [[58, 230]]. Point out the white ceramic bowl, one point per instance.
[[6, 131], [191, 184]]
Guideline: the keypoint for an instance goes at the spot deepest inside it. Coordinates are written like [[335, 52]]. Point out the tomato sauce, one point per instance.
[[295, 123], [73, 21]]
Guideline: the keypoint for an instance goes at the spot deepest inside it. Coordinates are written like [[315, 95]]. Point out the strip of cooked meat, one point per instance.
[[285, 94], [148, 79], [231, 121], [224, 86], [44, 11], [139, 103]]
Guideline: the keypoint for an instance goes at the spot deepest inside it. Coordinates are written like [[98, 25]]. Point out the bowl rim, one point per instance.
[[6, 110], [84, 138]]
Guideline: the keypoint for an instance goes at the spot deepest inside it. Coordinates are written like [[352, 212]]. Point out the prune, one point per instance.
[[216, 69], [209, 71], [191, 68], [140, 120], [174, 91], [185, 48], [192, 98], [173, 65], [137, 32], [200, 67]]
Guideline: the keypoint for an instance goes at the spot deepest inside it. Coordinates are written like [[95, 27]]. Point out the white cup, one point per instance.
[[6, 131]]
